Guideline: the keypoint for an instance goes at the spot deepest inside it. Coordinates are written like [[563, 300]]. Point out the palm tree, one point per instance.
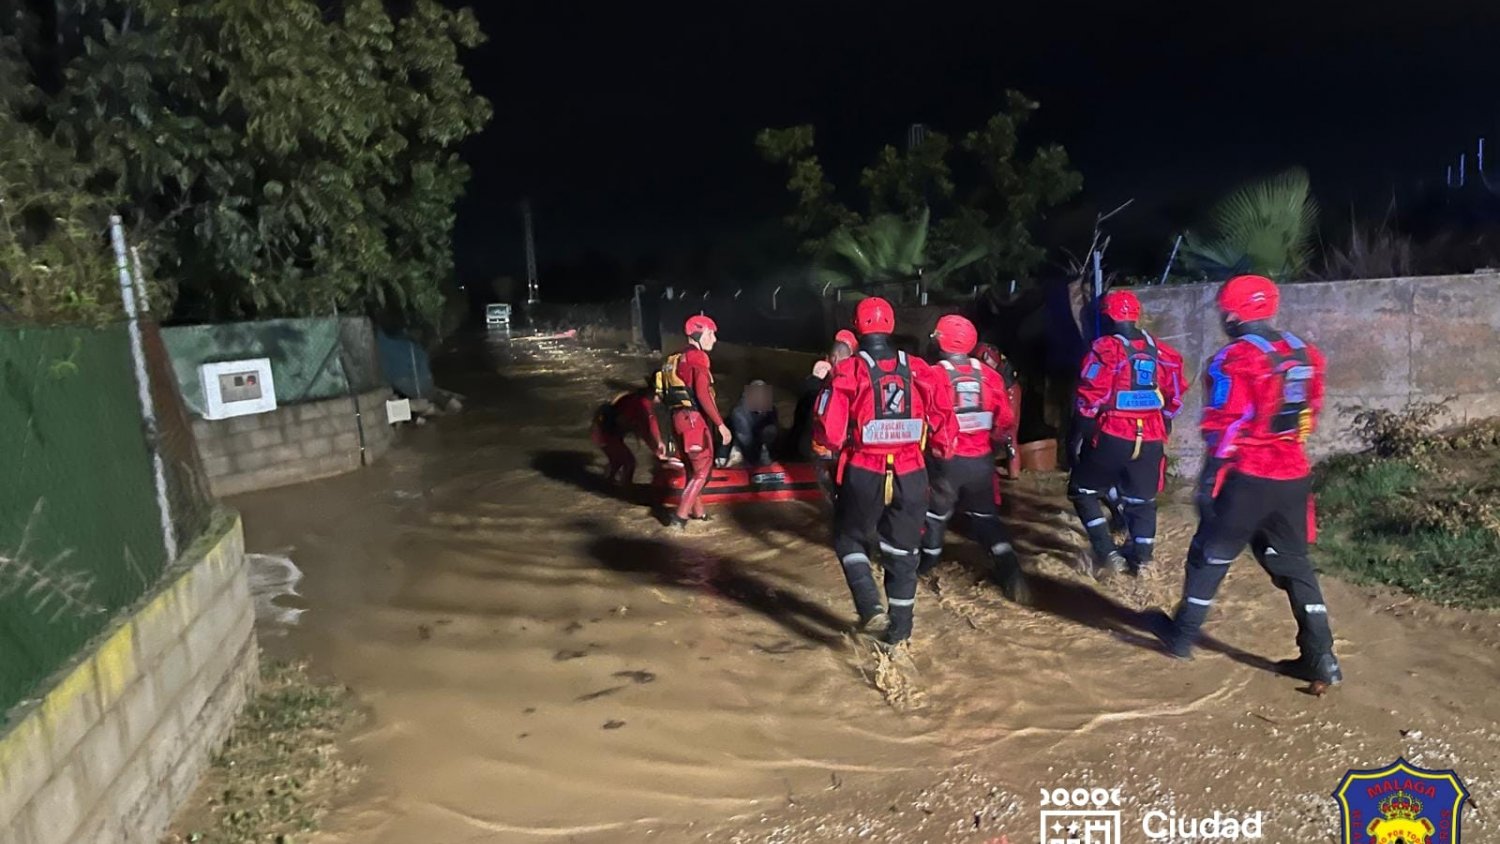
[[887, 250], [1265, 227]]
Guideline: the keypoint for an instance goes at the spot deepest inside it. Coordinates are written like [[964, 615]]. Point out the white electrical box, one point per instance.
[[397, 410], [237, 388]]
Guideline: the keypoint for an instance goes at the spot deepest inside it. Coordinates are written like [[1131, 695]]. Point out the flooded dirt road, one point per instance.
[[541, 661]]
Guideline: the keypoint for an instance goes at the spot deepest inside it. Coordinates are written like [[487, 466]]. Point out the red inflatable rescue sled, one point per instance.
[[739, 484]]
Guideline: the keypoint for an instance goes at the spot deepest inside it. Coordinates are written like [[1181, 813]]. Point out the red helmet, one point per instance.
[[955, 335], [697, 324], [989, 355], [1246, 298], [1121, 306], [874, 316], [847, 337]]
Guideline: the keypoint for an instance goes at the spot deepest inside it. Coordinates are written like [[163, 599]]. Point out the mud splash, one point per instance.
[[542, 662]]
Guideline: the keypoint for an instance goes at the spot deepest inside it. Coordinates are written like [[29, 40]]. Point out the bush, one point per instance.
[[1420, 510]]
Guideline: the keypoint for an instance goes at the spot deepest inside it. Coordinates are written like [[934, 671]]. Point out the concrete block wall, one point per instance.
[[292, 444], [1387, 341], [121, 738]]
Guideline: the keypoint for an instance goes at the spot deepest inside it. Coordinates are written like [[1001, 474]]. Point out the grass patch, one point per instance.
[[1419, 511], [279, 772]]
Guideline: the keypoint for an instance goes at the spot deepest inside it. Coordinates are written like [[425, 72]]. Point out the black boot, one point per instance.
[[1007, 573], [862, 588], [1313, 668], [901, 624]]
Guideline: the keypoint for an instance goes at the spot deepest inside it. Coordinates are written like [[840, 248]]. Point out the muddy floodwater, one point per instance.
[[541, 661]]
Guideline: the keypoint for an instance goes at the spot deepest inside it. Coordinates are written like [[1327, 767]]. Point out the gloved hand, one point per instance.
[[821, 369], [1203, 496], [1084, 428], [1168, 422], [724, 436]]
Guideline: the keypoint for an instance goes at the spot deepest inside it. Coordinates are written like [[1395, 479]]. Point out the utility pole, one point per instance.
[[915, 135], [531, 291]]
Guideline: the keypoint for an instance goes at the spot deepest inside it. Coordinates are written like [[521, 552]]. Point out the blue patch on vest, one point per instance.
[[1145, 371], [1218, 392], [1138, 400], [1093, 370]]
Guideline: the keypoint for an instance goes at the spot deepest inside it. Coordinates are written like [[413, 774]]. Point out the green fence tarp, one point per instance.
[[311, 358], [80, 532]]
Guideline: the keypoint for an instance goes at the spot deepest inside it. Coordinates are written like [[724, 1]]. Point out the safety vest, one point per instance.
[[891, 421], [968, 397], [673, 391], [1144, 393], [1293, 414]]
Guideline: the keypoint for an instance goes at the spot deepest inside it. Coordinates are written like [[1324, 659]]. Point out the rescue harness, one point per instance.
[[968, 397], [892, 423], [1144, 393], [1293, 415]]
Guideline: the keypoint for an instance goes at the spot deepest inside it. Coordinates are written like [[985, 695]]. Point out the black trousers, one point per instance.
[[862, 521], [963, 485], [754, 437], [1115, 462], [1271, 518]]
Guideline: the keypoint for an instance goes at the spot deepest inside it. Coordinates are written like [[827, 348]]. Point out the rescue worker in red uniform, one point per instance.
[[1263, 395], [1006, 453], [877, 411], [964, 479], [1128, 393], [630, 413], [801, 434], [686, 386]]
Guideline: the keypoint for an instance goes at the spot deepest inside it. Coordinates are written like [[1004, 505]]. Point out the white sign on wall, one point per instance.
[[237, 388]]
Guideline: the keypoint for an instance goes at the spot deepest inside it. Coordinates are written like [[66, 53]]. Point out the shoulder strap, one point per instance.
[[1259, 342]]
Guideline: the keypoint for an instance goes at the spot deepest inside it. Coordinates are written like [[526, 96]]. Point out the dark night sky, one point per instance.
[[631, 125]]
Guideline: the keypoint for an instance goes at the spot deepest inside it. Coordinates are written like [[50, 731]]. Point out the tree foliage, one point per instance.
[[888, 249], [983, 220], [817, 214], [52, 266], [274, 157], [906, 182], [1266, 227]]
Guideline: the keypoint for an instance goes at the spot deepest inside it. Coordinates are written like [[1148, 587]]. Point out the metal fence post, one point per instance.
[[411, 349], [143, 387]]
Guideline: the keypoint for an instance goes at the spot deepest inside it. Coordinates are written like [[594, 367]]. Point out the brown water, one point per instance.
[[542, 662]]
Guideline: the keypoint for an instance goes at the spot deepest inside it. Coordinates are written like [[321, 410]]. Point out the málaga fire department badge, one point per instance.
[[1401, 803]]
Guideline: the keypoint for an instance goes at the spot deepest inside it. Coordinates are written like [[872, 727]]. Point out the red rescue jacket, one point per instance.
[[1262, 398], [879, 413], [981, 406], [1132, 386], [630, 413]]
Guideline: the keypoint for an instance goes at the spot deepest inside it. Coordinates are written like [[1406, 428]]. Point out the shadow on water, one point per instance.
[[1087, 607], [692, 568], [576, 468], [807, 521], [688, 567]]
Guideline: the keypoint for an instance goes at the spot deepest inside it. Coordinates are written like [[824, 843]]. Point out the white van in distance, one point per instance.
[[497, 315]]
